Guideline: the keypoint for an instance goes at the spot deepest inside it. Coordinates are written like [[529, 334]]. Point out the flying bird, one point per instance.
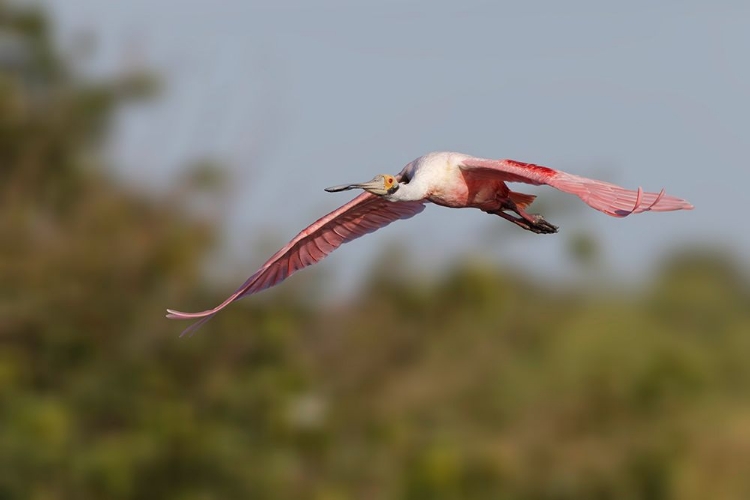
[[452, 180]]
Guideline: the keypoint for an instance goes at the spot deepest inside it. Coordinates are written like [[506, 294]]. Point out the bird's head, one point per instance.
[[381, 185]]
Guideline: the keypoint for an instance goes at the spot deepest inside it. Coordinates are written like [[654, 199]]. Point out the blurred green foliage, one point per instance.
[[478, 384]]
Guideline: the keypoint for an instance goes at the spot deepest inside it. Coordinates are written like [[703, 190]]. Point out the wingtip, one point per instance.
[[682, 204], [172, 314]]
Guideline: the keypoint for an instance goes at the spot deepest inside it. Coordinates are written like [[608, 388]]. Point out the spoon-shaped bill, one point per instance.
[[374, 184]]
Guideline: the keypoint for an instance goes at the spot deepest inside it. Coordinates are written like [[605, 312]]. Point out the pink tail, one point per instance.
[[615, 200]]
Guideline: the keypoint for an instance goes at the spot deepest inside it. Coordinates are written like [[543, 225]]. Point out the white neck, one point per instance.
[[413, 191]]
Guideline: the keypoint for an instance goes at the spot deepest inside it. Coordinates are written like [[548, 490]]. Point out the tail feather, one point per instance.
[[521, 199]]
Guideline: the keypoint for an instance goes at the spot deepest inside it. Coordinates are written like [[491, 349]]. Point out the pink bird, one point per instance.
[[452, 180]]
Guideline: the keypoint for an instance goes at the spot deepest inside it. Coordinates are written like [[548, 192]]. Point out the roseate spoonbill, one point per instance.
[[453, 180]]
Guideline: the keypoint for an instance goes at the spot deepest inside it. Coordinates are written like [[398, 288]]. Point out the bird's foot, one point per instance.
[[539, 225], [530, 222]]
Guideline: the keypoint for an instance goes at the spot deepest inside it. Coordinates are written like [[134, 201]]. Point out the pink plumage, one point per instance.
[[364, 214], [449, 179], [608, 198]]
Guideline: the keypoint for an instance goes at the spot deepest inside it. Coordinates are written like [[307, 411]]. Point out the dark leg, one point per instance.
[[531, 222]]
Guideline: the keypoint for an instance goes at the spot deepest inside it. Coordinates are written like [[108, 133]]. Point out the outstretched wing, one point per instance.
[[608, 198], [364, 214]]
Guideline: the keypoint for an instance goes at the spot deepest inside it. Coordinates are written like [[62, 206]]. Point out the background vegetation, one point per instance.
[[477, 384]]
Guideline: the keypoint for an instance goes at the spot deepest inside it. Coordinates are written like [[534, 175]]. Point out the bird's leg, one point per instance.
[[531, 222], [515, 220]]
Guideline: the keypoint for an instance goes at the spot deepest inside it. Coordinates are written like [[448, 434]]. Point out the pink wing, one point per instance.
[[364, 214], [608, 198]]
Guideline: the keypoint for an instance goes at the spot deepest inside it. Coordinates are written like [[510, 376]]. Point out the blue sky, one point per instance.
[[294, 97]]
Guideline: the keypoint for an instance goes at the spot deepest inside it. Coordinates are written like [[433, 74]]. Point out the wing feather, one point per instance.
[[608, 198], [364, 214]]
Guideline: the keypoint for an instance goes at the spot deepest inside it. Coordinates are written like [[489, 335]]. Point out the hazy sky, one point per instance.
[[295, 96]]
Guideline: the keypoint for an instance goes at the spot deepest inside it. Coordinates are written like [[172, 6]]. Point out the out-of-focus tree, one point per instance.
[[84, 264]]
